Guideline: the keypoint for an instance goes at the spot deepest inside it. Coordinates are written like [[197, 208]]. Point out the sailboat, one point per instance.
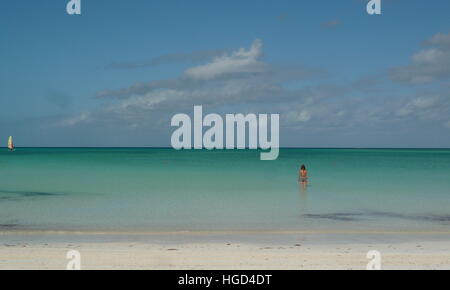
[[10, 144]]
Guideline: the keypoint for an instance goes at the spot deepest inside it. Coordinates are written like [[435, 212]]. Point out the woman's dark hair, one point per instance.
[[303, 167]]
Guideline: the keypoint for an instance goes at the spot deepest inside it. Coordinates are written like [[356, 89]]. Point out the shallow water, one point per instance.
[[164, 189]]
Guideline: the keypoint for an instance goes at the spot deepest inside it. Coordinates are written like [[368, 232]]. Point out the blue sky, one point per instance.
[[115, 75]]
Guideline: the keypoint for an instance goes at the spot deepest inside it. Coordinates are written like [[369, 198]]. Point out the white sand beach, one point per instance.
[[204, 253]]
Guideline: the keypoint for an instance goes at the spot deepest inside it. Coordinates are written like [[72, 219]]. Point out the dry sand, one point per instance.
[[305, 252]]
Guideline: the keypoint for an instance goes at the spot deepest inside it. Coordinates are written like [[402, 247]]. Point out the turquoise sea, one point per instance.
[[132, 189]]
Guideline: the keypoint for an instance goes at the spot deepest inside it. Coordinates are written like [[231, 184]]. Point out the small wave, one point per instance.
[[444, 218], [419, 217], [8, 226], [335, 216], [28, 193]]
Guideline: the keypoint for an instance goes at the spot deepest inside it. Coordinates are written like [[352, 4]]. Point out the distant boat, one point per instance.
[[10, 144]]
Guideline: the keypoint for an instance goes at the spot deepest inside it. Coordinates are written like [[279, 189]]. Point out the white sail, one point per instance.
[[10, 143]]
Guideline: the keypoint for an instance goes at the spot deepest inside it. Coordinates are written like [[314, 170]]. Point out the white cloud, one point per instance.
[[417, 104], [228, 92], [427, 65], [426, 108], [302, 116], [74, 120], [428, 56], [424, 102], [148, 101], [241, 61], [439, 39]]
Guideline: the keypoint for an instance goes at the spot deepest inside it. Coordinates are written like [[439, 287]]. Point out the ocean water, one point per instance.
[[131, 189]]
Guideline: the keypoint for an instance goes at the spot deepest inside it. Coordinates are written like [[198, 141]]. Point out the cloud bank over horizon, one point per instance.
[[242, 81]]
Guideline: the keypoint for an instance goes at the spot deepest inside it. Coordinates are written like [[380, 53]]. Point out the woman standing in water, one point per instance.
[[303, 175], [303, 188]]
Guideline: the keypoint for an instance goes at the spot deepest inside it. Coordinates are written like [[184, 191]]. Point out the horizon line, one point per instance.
[[168, 147]]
